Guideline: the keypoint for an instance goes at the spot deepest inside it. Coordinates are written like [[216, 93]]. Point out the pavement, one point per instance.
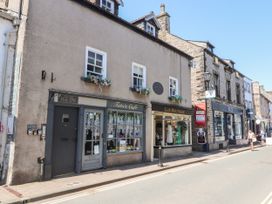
[[37, 191]]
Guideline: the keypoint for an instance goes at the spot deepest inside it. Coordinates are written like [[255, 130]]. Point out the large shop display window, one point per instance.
[[172, 131], [124, 131], [219, 125], [238, 126]]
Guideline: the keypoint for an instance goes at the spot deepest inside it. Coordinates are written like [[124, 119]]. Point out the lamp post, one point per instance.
[[207, 87]]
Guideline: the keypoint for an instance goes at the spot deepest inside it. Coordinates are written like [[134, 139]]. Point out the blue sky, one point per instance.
[[240, 30]]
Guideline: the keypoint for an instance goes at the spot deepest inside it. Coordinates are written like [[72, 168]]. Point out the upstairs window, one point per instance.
[[238, 93], [228, 90], [138, 76], [150, 29], [216, 84], [95, 63], [173, 86], [108, 5]]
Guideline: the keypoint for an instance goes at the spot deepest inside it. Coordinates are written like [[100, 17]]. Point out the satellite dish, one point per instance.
[[258, 122]]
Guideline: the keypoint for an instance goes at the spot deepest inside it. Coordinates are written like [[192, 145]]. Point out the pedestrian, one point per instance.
[[251, 136]]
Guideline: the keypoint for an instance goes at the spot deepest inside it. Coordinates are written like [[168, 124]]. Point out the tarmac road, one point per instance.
[[244, 178]]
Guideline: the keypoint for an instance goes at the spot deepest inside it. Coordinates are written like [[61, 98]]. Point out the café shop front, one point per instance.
[[86, 133]]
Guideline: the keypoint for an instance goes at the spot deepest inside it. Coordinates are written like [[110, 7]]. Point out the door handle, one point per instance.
[[64, 139]]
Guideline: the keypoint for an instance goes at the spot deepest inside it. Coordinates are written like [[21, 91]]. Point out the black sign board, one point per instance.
[[226, 108], [172, 109]]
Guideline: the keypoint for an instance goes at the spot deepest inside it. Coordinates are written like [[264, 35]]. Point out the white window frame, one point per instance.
[[177, 85], [144, 73], [104, 62], [149, 31], [106, 8]]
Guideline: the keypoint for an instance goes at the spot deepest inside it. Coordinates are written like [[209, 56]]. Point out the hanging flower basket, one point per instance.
[[141, 91], [97, 80], [176, 98]]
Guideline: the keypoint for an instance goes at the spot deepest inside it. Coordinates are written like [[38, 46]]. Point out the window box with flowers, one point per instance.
[[176, 98], [97, 80], [140, 90]]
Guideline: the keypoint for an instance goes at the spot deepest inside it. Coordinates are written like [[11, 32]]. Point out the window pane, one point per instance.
[[99, 63], [98, 70], [91, 54], [99, 57], [90, 68], [91, 60]]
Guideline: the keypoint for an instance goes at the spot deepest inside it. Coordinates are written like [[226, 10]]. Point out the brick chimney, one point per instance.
[[164, 19]]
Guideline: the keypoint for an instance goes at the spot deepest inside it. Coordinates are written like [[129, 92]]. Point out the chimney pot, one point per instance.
[[162, 8]]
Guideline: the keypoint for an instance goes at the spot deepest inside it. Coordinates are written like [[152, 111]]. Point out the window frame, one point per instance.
[[132, 74], [216, 83], [111, 10], [104, 61], [238, 93], [151, 26], [228, 89], [177, 86]]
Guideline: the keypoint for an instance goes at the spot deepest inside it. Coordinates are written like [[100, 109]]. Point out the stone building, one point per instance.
[[12, 26], [262, 105], [96, 91], [221, 116]]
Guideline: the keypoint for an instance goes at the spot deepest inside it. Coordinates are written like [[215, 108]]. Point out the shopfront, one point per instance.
[[86, 133], [172, 130], [228, 123]]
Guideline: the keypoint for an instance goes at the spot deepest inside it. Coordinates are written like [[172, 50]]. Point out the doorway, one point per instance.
[[92, 140], [64, 140]]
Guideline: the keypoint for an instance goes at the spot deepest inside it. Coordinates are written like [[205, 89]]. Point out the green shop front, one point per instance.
[[172, 130]]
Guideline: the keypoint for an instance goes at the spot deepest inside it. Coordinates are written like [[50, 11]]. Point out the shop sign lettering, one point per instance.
[[125, 106], [173, 110]]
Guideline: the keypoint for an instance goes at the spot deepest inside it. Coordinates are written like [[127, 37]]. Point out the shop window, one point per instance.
[[108, 5], [95, 63], [218, 124], [125, 131], [138, 76], [238, 126], [173, 86], [172, 131]]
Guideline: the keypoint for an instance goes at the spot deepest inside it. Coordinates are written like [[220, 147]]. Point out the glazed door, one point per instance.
[[64, 140], [92, 140]]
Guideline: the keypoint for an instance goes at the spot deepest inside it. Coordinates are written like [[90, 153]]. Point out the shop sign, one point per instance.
[[226, 108], [171, 109], [125, 106], [200, 114], [65, 98]]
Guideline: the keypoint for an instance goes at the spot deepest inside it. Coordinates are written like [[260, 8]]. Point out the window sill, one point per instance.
[[175, 99], [140, 91], [97, 81]]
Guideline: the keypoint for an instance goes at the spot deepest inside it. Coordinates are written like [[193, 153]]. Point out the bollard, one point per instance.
[[160, 156]]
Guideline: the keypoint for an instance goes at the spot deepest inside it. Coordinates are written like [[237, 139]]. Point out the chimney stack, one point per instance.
[[164, 19]]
